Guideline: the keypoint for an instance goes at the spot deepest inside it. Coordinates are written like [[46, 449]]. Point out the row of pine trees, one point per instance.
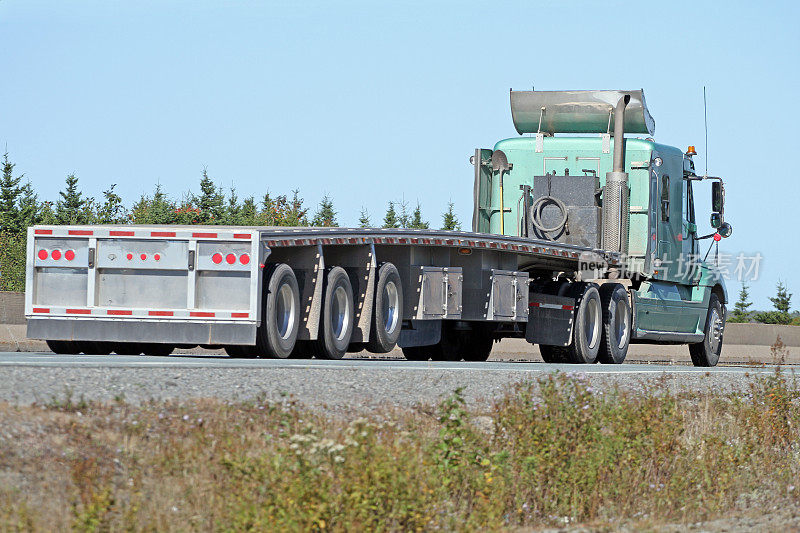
[[21, 207]]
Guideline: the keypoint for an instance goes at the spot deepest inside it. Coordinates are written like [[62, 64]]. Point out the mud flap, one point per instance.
[[550, 320]]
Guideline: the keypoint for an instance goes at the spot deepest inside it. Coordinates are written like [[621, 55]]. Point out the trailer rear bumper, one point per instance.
[[172, 331]]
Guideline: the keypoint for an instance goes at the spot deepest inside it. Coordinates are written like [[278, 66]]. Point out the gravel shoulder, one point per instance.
[[337, 389]]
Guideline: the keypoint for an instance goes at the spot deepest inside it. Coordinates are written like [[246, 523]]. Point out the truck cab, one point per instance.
[[560, 181]]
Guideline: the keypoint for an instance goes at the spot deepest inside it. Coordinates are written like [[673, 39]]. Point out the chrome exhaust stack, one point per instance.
[[615, 193]]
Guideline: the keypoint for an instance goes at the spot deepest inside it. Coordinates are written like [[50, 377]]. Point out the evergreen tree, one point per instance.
[[157, 209], [363, 220], [404, 218], [28, 206], [416, 219], [782, 300], [233, 211], [449, 219], [71, 208], [741, 310], [249, 212], [325, 215], [296, 214], [210, 202], [10, 216], [390, 219], [112, 211]]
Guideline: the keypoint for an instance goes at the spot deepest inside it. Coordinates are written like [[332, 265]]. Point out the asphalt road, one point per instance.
[[34, 359]]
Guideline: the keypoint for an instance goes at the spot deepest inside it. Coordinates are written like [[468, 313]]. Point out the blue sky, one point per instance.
[[371, 102]]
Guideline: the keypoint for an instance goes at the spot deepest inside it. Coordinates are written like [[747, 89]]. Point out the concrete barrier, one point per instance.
[[12, 307], [761, 334]]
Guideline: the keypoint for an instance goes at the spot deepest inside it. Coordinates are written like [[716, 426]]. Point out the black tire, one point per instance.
[[587, 330], [421, 353], [387, 313], [128, 348], [616, 324], [240, 351], [336, 326], [553, 354], [157, 348], [707, 353], [62, 347], [303, 350], [280, 323], [480, 342]]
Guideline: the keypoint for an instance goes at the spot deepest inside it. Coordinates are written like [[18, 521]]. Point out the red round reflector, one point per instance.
[[217, 258], [144, 257], [230, 258], [55, 254], [244, 259], [129, 256], [42, 254], [157, 257], [69, 255], [717, 237]]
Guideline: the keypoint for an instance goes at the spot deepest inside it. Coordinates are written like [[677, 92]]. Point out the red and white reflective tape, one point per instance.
[[137, 313], [66, 231]]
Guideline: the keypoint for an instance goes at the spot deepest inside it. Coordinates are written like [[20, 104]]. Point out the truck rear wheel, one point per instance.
[[62, 347], [616, 324], [336, 326], [707, 353], [587, 331], [387, 312], [280, 323], [553, 354]]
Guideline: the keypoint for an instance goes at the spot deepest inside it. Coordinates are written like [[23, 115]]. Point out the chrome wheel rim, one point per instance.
[[592, 323], [391, 301], [340, 313], [621, 324], [715, 333], [284, 311]]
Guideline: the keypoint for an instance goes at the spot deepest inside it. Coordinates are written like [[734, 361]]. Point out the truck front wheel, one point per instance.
[[707, 353], [336, 327], [280, 323]]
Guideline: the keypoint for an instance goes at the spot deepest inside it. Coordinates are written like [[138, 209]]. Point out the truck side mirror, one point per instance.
[[725, 230], [716, 220], [717, 197]]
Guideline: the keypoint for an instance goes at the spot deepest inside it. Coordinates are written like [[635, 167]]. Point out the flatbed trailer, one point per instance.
[[109, 288], [580, 245]]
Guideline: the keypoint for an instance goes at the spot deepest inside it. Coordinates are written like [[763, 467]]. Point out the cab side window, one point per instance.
[[665, 198]]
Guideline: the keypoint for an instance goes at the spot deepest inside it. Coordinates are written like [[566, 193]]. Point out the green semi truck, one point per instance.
[[582, 242]]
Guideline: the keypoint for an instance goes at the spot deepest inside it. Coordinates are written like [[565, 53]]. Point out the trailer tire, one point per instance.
[[241, 351], [157, 348], [128, 348], [616, 336], [707, 353], [62, 347], [587, 331], [421, 353], [280, 322], [479, 342], [336, 327], [387, 313]]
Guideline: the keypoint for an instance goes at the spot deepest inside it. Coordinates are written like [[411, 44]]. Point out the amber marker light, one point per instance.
[[691, 151]]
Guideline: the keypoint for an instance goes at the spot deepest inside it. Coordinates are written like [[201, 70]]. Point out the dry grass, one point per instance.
[[551, 452]]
